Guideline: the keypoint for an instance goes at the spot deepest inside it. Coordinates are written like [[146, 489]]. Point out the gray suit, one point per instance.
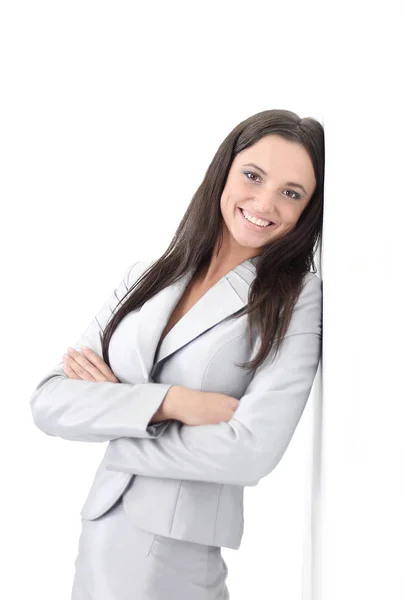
[[182, 481]]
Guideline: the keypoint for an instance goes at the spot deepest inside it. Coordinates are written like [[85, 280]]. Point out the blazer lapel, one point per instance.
[[224, 298]]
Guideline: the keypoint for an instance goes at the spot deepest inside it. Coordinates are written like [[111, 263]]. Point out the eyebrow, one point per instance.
[[266, 174]]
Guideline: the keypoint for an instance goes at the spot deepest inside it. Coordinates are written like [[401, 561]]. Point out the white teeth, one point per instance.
[[259, 222]]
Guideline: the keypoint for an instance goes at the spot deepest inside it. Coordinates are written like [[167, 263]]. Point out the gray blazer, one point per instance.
[[178, 480]]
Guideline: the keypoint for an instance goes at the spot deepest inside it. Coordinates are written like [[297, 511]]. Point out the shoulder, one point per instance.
[[307, 312], [312, 285]]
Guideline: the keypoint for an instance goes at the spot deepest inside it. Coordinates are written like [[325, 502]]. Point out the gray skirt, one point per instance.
[[117, 560]]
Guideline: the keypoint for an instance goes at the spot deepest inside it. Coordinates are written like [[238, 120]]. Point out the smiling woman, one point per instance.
[[168, 495]]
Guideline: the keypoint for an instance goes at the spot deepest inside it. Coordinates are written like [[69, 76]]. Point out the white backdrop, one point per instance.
[[358, 479], [110, 115]]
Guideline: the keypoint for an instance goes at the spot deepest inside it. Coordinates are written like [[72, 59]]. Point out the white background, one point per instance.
[[110, 115]]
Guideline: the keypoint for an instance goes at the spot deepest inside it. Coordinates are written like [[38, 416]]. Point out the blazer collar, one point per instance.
[[224, 298]]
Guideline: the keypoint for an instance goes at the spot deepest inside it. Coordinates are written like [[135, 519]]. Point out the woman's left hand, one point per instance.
[[87, 366]]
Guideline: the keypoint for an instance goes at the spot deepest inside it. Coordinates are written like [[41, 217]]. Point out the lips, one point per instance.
[[253, 215]]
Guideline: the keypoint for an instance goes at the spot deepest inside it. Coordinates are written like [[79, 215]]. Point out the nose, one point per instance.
[[266, 202]]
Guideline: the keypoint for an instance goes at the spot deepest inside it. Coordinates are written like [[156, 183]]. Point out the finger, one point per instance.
[[69, 371], [99, 363], [81, 371], [96, 372], [84, 367]]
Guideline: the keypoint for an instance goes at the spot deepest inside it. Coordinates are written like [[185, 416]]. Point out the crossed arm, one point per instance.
[[248, 446], [240, 451]]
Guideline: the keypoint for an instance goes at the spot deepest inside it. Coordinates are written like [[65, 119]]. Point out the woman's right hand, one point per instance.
[[193, 407]]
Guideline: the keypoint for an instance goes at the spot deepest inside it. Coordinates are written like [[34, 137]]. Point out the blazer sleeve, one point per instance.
[[92, 411], [244, 449]]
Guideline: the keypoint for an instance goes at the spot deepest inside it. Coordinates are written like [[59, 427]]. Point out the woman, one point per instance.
[[167, 371]]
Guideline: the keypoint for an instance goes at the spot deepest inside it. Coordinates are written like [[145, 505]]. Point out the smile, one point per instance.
[[254, 226]]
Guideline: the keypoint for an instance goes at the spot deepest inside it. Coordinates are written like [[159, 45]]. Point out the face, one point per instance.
[[277, 189]]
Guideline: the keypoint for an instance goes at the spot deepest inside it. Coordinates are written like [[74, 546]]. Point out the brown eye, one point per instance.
[[246, 173], [297, 196]]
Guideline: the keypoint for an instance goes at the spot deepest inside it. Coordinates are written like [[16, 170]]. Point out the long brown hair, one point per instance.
[[282, 265]]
